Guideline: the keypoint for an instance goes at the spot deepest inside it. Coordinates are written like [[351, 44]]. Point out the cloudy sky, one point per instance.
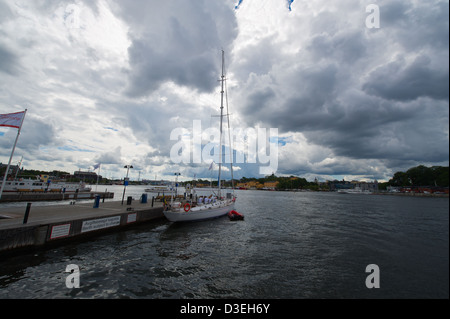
[[106, 81]]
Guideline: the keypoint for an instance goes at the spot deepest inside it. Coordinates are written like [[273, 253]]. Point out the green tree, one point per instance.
[[420, 176], [440, 176], [400, 179]]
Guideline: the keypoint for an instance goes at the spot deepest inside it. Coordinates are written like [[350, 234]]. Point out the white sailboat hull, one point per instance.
[[202, 212]]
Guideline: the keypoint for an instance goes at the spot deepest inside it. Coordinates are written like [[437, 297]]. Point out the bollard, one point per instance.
[[27, 212], [153, 199], [144, 199], [97, 201], [129, 199]]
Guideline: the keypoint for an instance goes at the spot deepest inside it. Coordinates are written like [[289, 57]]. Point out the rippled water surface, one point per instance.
[[291, 245]]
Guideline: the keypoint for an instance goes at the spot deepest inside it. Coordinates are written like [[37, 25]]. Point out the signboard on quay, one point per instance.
[[96, 224]]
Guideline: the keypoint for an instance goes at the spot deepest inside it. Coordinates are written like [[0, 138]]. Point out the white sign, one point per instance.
[[131, 218], [60, 231], [101, 223]]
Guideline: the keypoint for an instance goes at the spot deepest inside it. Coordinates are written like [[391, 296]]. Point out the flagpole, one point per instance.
[[99, 168], [12, 154]]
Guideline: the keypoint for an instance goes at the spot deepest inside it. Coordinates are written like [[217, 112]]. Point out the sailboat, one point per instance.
[[196, 208]]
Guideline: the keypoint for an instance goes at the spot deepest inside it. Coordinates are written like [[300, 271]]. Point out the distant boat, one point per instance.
[[195, 207], [356, 190], [160, 189], [33, 185]]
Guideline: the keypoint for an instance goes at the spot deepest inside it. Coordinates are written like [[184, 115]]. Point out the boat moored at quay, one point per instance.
[[196, 208], [33, 185]]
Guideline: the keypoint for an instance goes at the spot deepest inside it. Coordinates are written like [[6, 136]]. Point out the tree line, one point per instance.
[[421, 176]]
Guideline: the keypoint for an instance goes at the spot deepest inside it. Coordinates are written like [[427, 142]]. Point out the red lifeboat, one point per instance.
[[234, 215]]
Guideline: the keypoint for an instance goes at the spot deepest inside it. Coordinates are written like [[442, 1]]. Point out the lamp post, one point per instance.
[[176, 182], [125, 181], [176, 186]]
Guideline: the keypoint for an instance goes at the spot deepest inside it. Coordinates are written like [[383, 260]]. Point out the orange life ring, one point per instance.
[[187, 207]]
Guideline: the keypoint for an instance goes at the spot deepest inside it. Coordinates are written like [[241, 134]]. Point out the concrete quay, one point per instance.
[[50, 196], [56, 223]]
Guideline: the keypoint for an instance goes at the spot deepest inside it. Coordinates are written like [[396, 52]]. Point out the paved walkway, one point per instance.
[[40, 215]]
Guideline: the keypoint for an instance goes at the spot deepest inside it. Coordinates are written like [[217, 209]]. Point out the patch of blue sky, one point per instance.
[[2, 133], [281, 140], [289, 4], [111, 129], [239, 3], [274, 139]]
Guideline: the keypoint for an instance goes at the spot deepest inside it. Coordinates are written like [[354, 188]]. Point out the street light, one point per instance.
[[176, 187], [125, 181], [176, 180]]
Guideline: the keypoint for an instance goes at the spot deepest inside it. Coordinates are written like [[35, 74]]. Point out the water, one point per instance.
[[291, 245]]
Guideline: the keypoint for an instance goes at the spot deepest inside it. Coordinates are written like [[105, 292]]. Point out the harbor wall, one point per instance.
[[414, 194], [51, 196], [28, 236]]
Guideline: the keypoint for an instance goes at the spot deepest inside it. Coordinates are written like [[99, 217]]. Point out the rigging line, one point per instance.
[[221, 118], [229, 137]]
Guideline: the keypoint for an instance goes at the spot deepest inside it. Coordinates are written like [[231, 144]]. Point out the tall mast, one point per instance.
[[229, 139], [221, 118]]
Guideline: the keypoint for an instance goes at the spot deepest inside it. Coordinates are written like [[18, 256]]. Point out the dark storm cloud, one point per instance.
[[30, 139], [260, 102], [9, 62], [399, 81], [425, 24], [153, 121], [342, 47], [36, 135], [360, 94], [258, 58], [152, 68], [5, 12], [305, 108], [177, 41], [110, 157]]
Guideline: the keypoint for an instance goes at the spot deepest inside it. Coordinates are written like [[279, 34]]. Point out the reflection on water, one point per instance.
[[290, 245]]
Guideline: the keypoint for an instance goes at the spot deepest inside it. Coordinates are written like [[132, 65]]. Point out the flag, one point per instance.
[[12, 119], [211, 166], [96, 166]]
